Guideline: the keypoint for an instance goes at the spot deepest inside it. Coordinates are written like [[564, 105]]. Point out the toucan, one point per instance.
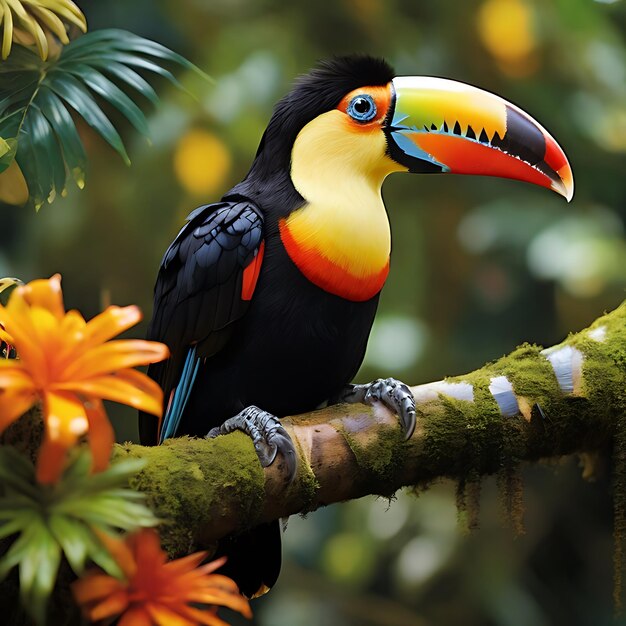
[[266, 298]]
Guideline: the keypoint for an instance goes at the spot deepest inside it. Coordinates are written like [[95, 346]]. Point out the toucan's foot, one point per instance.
[[395, 395], [267, 434]]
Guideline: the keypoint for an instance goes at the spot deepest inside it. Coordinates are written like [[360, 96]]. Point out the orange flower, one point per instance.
[[6, 341], [157, 592], [70, 365]]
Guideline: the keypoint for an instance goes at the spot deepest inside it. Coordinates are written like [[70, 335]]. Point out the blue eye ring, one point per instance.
[[362, 108]]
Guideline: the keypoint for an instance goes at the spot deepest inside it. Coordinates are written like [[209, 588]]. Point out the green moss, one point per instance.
[[192, 483], [468, 503], [306, 483], [511, 488], [606, 388], [381, 460]]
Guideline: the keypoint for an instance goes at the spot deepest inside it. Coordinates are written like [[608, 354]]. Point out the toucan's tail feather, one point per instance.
[[254, 558], [180, 396]]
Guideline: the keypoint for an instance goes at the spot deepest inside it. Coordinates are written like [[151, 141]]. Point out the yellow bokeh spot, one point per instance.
[[506, 29], [201, 162]]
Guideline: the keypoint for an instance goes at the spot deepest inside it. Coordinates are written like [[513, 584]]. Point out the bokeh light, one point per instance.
[[507, 30], [201, 162]]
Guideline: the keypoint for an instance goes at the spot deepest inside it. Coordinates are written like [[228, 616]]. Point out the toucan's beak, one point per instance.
[[439, 125]]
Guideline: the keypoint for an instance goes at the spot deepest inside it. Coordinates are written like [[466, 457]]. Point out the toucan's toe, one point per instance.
[[394, 394], [267, 434]]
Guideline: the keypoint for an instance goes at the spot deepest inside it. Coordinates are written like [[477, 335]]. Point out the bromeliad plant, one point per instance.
[[69, 519], [154, 591], [71, 365], [72, 504], [68, 365]]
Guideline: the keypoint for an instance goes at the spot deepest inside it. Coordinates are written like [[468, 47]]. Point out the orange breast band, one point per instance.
[[328, 275]]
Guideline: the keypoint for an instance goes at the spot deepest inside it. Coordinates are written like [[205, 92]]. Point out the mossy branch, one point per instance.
[[526, 406]]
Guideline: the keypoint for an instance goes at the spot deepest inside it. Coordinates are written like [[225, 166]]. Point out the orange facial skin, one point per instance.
[[382, 98]]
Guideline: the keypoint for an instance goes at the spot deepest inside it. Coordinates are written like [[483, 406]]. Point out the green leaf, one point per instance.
[[108, 90], [70, 535], [118, 473], [14, 525], [38, 571], [64, 519], [135, 61], [75, 473], [18, 550], [99, 554], [110, 512], [78, 97], [45, 152], [131, 78], [95, 68], [65, 131]]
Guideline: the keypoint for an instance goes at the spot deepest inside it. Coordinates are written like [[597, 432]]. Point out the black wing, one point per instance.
[[205, 283]]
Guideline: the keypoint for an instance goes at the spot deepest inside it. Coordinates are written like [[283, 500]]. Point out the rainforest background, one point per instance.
[[479, 265]]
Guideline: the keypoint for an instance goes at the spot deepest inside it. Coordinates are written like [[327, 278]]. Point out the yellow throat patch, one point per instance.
[[340, 239]]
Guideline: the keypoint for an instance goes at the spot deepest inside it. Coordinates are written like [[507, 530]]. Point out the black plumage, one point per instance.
[[293, 345]]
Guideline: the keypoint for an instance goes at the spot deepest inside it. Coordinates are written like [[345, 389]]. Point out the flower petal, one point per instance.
[[72, 329], [120, 551], [65, 417], [13, 406], [94, 587], [117, 389], [65, 421], [46, 294], [4, 336], [234, 601], [101, 434], [111, 322], [47, 335], [50, 461], [135, 616], [186, 564], [116, 355], [207, 617], [141, 381], [14, 377], [16, 319], [146, 546], [111, 606], [164, 616]]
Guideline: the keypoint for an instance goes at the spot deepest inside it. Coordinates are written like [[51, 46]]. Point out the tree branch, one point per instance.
[[526, 406]]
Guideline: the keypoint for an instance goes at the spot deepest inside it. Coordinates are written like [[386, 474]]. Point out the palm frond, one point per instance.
[[43, 99]]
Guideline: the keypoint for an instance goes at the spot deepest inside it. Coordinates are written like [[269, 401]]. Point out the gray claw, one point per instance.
[[394, 394], [267, 434]]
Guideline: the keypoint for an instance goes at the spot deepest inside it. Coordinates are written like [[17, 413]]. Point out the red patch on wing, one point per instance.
[[470, 157], [329, 276], [251, 274]]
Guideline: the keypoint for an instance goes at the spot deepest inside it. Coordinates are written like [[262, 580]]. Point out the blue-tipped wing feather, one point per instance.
[[197, 297], [175, 408]]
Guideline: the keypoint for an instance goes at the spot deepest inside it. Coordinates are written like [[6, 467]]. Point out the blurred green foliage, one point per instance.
[[479, 265]]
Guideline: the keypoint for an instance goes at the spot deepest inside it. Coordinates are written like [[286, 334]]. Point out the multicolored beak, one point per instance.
[[439, 125]]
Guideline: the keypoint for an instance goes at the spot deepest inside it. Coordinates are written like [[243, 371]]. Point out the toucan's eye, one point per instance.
[[362, 108]]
